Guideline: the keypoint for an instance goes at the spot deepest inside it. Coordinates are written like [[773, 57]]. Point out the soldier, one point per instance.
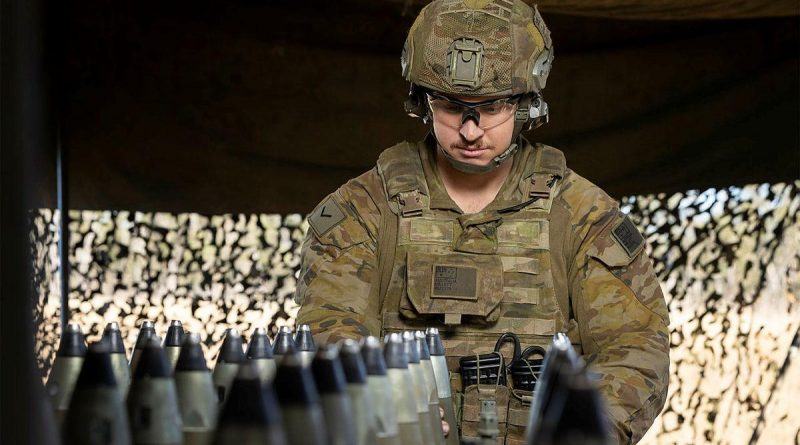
[[477, 232]]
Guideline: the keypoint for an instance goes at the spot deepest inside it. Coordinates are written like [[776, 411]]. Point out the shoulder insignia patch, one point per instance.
[[628, 236], [327, 216]]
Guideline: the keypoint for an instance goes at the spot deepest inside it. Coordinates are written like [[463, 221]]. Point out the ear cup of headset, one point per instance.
[[538, 112], [415, 104]]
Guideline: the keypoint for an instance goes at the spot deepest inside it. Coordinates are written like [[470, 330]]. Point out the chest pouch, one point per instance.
[[453, 285]]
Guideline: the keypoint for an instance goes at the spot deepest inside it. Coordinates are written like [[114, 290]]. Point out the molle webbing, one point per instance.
[[528, 298]]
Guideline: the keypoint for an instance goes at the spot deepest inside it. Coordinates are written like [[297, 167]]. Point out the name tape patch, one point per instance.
[[455, 282], [327, 216]]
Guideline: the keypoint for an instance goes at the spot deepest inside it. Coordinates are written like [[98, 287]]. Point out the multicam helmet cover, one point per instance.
[[478, 48]]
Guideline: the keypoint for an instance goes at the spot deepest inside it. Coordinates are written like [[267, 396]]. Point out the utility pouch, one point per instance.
[[453, 285], [525, 372], [519, 407], [471, 408], [485, 377]]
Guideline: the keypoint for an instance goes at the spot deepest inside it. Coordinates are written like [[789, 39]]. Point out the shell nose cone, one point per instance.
[[175, 334], [96, 370], [294, 383], [355, 371], [250, 402], [113, 338], [303, 341], [191, 357], [146, 330], [411, 348], [153, 362], [373, 356], [232, 350], [394, 352], [422, 345], [434, 340], [259, 347], [327, 370], [73, 343], [284, 342]]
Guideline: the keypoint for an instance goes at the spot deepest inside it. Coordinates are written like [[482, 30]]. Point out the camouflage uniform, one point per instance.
[[552, 253]]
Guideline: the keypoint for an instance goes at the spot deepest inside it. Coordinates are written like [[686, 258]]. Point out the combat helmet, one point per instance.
[[480, 48]]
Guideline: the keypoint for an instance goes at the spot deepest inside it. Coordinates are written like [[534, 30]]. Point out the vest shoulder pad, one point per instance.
[[400, 168], [552, 160]]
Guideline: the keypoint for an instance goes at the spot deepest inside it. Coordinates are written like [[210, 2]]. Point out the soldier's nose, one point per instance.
[[470, 130]]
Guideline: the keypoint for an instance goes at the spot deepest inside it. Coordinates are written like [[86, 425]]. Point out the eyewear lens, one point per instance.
[[451, 112]]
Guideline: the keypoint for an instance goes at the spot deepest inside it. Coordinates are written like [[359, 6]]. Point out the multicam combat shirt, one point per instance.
[[390, 250]]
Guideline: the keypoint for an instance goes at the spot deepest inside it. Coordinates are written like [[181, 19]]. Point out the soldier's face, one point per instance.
[[470, 142]]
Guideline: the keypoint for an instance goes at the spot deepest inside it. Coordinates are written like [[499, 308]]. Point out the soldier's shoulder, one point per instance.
[[361, 200], [580, 194], [366, 188], [583, 200], [371, 182], [400, 150]]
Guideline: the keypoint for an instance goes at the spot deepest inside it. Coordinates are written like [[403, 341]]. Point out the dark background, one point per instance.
[[267, 107]]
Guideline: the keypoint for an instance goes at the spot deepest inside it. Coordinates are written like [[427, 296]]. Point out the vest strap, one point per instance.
[[400, 169]]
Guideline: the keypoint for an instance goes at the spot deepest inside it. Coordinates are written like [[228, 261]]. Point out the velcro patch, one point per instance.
[[628, 236], [455, 282], [327, 216]]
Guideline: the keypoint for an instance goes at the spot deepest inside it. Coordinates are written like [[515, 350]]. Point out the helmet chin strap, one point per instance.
[[521, 119]]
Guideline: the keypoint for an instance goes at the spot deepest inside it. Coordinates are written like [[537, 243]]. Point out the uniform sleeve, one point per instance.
[[623, 321], [335, 289]]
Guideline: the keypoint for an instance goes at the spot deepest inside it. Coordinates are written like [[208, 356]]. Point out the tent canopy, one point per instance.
[[247, 107]]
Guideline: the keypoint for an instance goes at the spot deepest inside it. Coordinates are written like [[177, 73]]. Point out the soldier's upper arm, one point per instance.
[[335, 227], [620, 249], [335, 222], [336, 287], [623, 322]]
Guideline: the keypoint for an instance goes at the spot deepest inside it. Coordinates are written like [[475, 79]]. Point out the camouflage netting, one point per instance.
[[209, 272], [728, 259]]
